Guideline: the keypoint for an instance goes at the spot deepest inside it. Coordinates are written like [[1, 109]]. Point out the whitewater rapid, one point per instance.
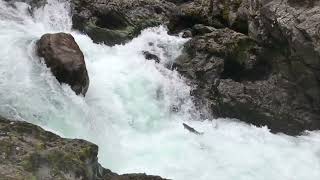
[[128, 108]]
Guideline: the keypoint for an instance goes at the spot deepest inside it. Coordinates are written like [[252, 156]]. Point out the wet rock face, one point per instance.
[[150, 56], [117, 21], [237, 78], [221, 53], [269, 76], [29, 152], [65, 59], [293, 28], [216, 13]]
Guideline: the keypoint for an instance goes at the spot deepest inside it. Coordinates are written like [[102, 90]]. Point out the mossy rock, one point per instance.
[[27, 152]]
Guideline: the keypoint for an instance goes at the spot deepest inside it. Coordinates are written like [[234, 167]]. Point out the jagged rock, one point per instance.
[[65, 59], [274, 102], [150, 56], [234, 14], [117, 21], [292, 27], [222, 53], [187, 34], [29, 152], [205, 57], [272, 78], [200, 29], [216, 13], [189, 14]]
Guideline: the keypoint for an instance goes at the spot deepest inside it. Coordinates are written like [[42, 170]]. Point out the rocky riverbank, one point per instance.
[[254, 60], [29, 152], [257, 61], [264, 74]]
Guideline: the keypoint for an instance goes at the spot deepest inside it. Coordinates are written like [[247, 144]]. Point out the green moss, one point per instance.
[[117, 36], [85, 153], [6, 147], [226, 12], [30, 163], [230, 6], [110, 36], [240, 50], [39, 146], [26, 164], [32, 177], [237, 3]]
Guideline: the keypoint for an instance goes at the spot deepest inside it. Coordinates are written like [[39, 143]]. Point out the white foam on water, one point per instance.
[[128, 108]]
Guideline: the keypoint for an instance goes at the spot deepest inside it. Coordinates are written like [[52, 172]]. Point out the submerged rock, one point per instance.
[[65, 59], [187, 34], [29, 152], [150, 56]]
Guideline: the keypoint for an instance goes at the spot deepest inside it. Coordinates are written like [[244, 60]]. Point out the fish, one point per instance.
[[191, 129]]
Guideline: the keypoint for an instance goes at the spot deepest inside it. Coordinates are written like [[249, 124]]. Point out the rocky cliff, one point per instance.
[[257, 61]]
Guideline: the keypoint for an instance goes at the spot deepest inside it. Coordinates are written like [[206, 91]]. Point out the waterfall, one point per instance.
[[128, 112]]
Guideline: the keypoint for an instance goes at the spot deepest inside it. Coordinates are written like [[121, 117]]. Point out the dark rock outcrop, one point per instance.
[[63, 56], [117, 21], [216, 13], [29, 152], [269, 76], [150, 56]]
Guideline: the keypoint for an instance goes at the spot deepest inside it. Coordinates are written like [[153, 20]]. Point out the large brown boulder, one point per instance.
[[65, 59]]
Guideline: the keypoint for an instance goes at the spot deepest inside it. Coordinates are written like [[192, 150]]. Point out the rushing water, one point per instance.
[[128, 108]]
